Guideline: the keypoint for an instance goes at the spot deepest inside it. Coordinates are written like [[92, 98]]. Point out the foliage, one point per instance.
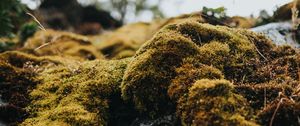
[[218, 13], [11, 15], [124, 7], [27, 30]]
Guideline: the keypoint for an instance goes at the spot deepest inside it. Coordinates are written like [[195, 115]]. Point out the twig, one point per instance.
[[277, 107]]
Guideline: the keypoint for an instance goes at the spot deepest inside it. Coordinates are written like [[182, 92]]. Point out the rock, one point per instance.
[[280, 33]]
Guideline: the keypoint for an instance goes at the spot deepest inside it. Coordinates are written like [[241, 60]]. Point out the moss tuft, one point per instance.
[[76, 96], [212, 102]]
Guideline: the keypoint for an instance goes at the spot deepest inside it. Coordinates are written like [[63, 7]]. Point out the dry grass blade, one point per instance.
[[37, 21]]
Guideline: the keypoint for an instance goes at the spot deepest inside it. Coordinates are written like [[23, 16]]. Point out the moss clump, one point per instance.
[[18, 76], [282, 111], [190, 71], [76, 96], [212, 102], [149, 75], [51, 42]]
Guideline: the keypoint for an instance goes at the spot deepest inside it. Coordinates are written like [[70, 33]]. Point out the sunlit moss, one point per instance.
[[149, 75], [76, 96]]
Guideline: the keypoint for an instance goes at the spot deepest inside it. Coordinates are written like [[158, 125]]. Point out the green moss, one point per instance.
[[212, 102], [149, 75], [76, 96], [18, 76], [190, 71]]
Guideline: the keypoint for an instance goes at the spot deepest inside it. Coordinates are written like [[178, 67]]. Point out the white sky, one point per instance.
[[234, 7]]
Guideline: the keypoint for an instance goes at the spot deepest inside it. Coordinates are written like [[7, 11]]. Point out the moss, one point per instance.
[[149, 75], [260, 94], [127, 38], [212, 102], [286, 113], [190, 71], [18, 76], [76, 96], [45, 43]]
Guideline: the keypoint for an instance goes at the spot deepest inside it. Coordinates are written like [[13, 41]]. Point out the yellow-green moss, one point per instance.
[[51, 42], [212, 102], [18, 76], [149, 75], [190, 71], [76, 96]]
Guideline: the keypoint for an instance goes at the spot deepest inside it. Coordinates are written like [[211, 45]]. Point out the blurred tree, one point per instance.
[[12, 15], [123, 8], [120, 9]]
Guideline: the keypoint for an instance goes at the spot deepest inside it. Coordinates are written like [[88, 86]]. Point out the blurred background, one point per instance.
[[90, 17], [145, 10]]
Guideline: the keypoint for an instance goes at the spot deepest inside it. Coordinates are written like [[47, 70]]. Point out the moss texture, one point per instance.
[[149, 75], [18, 77], [75, 96], [212, 102]]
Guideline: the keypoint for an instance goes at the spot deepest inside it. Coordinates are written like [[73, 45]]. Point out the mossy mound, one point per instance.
[[164, 70], [75, 96], [188, 73], [51, 42], [18, 72], [149, 75], [125, 39], [212, 102]]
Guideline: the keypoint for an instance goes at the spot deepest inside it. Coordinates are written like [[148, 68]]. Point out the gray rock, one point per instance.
[[280, 33]]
